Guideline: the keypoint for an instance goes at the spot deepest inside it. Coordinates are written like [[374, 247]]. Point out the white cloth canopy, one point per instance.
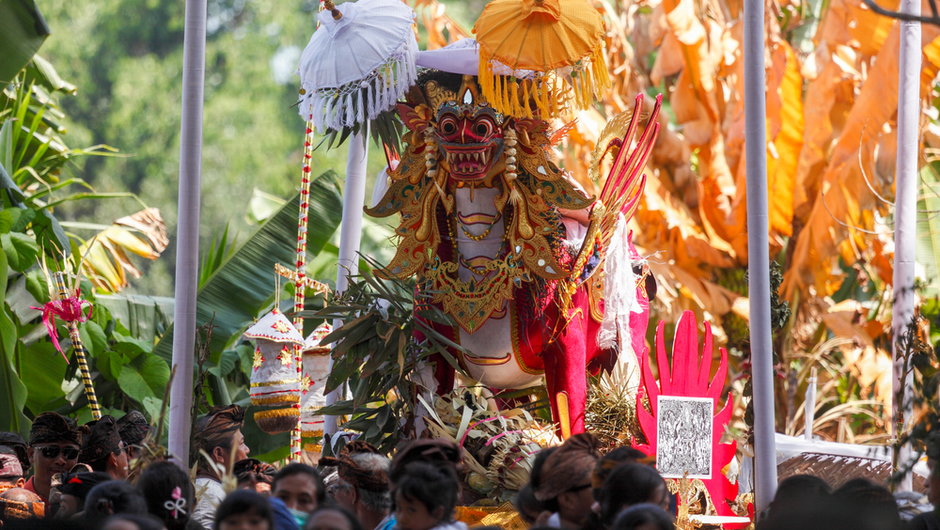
[[358, 66]]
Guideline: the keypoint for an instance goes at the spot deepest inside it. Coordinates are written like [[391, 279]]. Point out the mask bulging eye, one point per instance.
[[483, 129], [448, 125]]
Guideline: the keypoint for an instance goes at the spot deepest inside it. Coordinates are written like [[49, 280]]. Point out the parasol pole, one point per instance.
[[905, 228], [758, 266], [354, 195], [300, 284], [187, 229]]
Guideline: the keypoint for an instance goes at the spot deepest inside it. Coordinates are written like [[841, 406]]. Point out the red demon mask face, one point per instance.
[[471, 139]]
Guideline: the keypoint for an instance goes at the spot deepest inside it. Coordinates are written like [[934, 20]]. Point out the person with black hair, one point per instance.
[[796, 491], [73, 491], [111, 498], [628, 485], [301, 489], [16, 442], [133, 428], [253, 474], [126, 521], [644, 516], [425, 497], [362, 484], [54, 443], [244, 510], [103, 449], [11, 470], [565, 482], [169, 493], [527, 505], [218, 443], [872, 501], [332, 517]]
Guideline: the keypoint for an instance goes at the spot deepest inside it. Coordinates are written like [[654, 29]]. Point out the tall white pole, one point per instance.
[[758, 254], [905, 216], [187, 229], [354, 196]]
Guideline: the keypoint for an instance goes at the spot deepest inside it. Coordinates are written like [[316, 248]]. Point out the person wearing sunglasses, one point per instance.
[[103, 449], [54, 443], [565, 482]]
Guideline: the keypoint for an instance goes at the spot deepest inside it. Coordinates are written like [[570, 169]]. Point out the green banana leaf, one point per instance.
[[22, 32], [928, 228], [146, 317], [245, 283]]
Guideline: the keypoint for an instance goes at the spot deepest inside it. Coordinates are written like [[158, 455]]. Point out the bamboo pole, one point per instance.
[[81, 354], [905, 215], [758, 254], [187, 229], [300, 275]]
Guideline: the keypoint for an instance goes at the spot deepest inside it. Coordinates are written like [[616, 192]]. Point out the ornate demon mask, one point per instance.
[[463, 132], [470, 138]]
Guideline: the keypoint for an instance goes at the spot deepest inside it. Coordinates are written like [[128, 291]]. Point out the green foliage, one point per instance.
[[244, 284], [22, 32], [377, 356], [127, 57]]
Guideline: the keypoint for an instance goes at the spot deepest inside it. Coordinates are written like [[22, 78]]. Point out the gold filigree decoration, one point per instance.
[[471, 302], [286, 356], [258, 359]]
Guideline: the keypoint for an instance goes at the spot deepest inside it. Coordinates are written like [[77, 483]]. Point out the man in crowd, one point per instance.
[[103, 449], [19, 503], [362, 486], [134, 429], [73, 491], [301, 489], [218, 444], [565, 483], [11, 470], [18, 444], [54, 442]]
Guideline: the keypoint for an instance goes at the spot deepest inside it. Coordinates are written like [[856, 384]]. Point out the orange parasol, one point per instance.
[[546, 53]]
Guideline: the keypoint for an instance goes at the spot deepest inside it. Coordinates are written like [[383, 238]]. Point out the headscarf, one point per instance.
[[434, 451], [19, 503], [10, 465], [133, 427], [101, 439], [569, 467], [18, 444], [254, 470], [52, 427], [79, 484], [349, 470], [216, 427]]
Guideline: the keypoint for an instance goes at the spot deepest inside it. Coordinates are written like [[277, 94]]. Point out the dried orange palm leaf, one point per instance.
[[843, 209]]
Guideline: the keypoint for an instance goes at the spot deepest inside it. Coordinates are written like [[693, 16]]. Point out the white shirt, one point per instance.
[[209, 495]]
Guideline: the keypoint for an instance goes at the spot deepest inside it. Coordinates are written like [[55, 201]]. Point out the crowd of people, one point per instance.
[[82, 479]]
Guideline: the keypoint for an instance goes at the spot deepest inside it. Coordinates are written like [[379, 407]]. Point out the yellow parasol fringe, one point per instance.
[[554, 96]]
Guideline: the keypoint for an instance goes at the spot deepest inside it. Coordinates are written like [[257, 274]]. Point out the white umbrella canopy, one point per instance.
[[358, 63]]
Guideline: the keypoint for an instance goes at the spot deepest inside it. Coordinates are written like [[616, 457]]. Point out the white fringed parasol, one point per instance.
[[358, 63]]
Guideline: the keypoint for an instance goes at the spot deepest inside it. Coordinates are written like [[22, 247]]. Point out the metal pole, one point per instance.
[[187, 229], [354, 196], [905, 215], [809, 407], [765, 458]]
